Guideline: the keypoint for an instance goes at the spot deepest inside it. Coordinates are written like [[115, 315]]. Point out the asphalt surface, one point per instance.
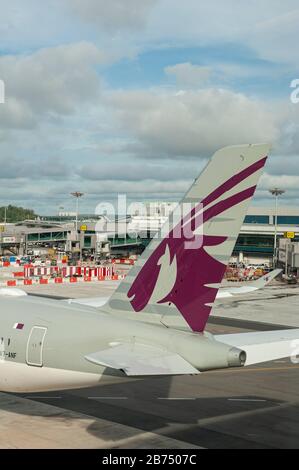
[[254, 407]]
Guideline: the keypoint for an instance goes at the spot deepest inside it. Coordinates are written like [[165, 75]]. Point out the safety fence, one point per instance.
[[66, 271], [59, 280]]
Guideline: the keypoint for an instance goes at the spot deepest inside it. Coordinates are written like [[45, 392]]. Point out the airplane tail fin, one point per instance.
[[181, 270]]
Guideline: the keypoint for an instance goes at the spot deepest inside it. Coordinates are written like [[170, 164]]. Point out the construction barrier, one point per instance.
[[66, 271], [123, 261], [242, 274], [6, 264], [58, 280], [31, 271]]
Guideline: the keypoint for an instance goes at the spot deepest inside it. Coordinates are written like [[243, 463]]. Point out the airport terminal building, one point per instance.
[[130, 235], [256, 239]]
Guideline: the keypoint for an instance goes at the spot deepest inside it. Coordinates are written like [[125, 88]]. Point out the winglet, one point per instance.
[[266, 279]]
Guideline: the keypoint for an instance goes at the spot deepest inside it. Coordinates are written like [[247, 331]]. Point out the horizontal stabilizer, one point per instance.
[[264, 346], [247, 288], [266, 279], [138, 360]]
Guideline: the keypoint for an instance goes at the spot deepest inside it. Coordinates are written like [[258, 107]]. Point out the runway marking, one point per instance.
[[174, 398], [176, 428], [246, 399], [107, 398]]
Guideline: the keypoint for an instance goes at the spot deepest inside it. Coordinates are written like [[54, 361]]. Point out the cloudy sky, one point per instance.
[[133, 96]]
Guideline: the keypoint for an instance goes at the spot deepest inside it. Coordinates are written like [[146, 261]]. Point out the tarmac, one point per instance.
[[251, 407]]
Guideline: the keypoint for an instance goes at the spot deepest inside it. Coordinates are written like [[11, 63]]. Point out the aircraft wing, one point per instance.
[[90, 301], [264, 346], [226, 292], [137, 359]]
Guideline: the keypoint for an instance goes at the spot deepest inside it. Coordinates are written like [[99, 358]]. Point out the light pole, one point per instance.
[[61, 208], [276, 192], [78, 195], [4, 226]]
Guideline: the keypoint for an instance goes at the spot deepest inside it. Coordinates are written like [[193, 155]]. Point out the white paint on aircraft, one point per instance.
[[19, 377]]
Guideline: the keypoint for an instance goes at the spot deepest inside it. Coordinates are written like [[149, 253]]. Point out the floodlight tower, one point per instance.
[[276, 192], [77, 195]]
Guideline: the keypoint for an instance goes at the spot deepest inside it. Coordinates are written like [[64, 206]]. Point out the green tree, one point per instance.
[[16, 214]]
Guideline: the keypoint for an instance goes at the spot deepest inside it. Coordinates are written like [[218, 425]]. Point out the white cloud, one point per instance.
[[283, 165], [136, 171], [60, 128], [268, 27], [188, 75], [193, 123], [275, 38], [283, 181], [33, 168], [115, 15], [50, 81]]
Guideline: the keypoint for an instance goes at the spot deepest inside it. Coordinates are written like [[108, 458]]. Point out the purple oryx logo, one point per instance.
[[174, 274]]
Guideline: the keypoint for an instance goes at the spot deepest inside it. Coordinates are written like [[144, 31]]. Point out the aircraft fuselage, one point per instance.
[[44, 344]]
